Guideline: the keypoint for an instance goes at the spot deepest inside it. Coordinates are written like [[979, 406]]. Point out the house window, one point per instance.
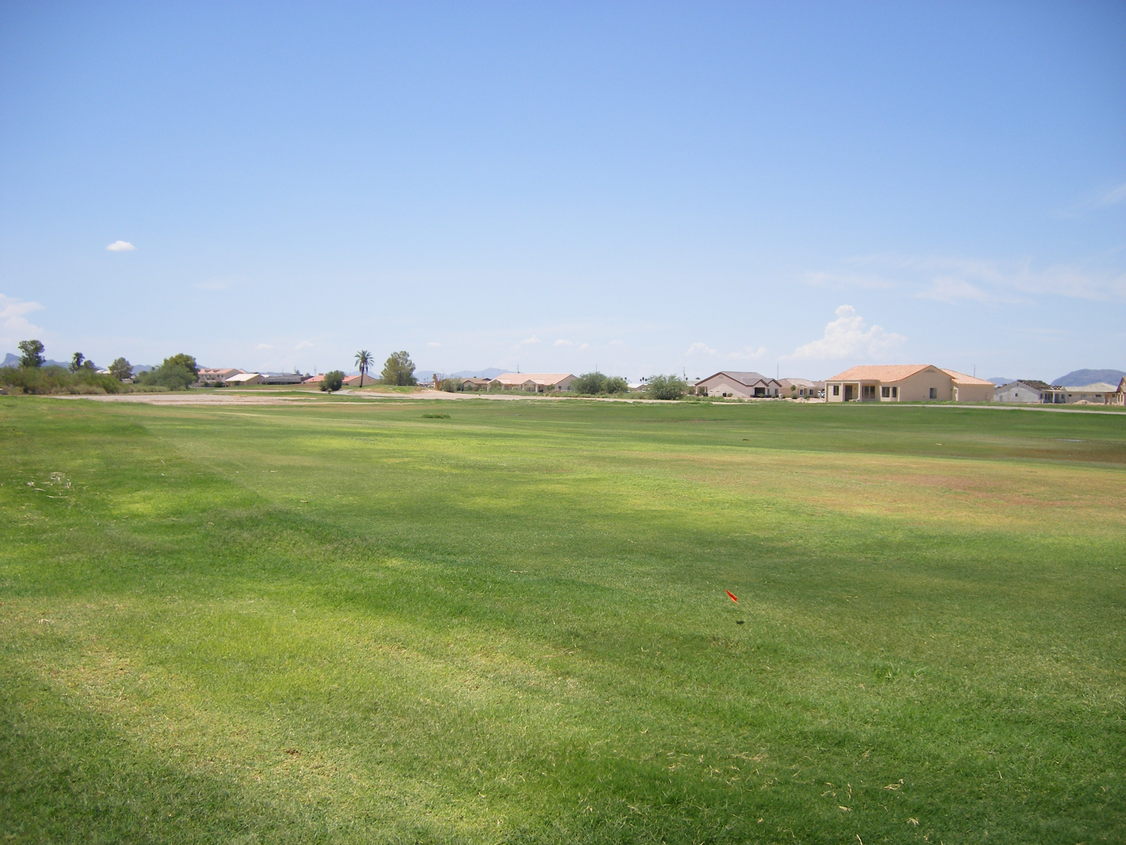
[[836, 390], [885, 392]]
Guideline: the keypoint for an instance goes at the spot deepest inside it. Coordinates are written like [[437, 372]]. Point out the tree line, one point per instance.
[[180, 371], [398, 369], [34, 375]]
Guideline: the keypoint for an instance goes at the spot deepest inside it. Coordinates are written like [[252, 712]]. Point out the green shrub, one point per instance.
[[332, 381], [665, 387], [47, 380]]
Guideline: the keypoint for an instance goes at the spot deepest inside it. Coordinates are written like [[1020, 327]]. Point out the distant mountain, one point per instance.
[[1078, 377], [12, 360]]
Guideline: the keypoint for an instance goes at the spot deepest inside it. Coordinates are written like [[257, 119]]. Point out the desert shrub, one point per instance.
[[332, 381], [598, 384], [46, 380], [665, 387]]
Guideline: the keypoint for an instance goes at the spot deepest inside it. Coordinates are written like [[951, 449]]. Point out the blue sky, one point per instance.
[[642, 187]]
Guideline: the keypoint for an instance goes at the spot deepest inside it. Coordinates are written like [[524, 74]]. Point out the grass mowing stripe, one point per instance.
[[509, 625]]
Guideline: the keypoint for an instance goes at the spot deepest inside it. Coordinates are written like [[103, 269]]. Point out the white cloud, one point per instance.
[[849, 336], [562, 342], [1094, 202], [746, 353], [264, 346], [530, 341], [699, 348], [434, 344], [953, 279], [848, 280], [121, 246], [303, 344], [951, 289], [1114, 196], [14, 326]]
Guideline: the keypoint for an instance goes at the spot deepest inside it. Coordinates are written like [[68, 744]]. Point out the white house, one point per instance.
[[1028, 391]]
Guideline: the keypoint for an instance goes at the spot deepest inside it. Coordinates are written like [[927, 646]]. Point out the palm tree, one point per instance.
[[363, 361]]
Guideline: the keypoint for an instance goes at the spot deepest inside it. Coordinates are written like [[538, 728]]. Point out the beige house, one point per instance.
[[209, 377], [533, 382], [1098, 393], [739, 385], [970, 388], [906, 383], [801, 388], [474, 383], [1119, 395], [244, 378]]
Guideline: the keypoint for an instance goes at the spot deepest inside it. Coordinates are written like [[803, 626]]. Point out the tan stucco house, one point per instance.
[[906, 383], [1119, 395], [801, 388], [533, 382], [244, 379], [739, 385], [210, 376]]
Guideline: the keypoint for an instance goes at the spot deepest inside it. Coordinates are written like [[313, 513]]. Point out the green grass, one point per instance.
[[368, 621]]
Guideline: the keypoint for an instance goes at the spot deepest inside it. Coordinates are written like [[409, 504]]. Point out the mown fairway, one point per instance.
[[351, 621]]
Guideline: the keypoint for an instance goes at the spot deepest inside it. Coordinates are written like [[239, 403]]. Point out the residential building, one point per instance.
[[241, 379], [967, 388], [533, 382], [209, 377], [906, 383], [474, 383], [282, 378], [801, 388], [1029, 391], [1119, 395], [1098, 393], [739, 385]]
